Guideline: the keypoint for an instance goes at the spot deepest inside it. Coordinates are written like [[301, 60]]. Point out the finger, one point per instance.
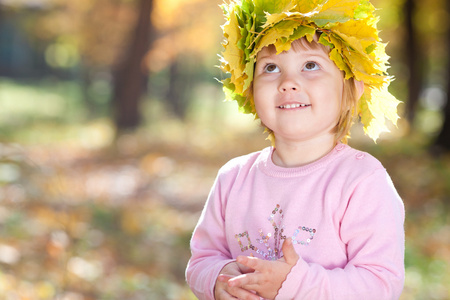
[[244, 269], [235, 292], [224, 277], [231, 268], [223, 295], [244, 280], [252, 263], [249, 282], [243, 294], [291, 257]]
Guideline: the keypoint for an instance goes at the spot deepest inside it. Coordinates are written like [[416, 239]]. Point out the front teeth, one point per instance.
[[293, 105]]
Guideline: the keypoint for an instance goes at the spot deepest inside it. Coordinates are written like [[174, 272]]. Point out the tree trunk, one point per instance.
[[130, 78], [442, 143], [180, 81], [413, 61]]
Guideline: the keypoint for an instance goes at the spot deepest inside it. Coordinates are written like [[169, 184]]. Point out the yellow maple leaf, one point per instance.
[[379, 55], [249, 69], [274, 6], [304, 30], [282, 30], [385, 103], [361, 63], [239, 82], [306, 7], [357, 34], [232, 54], [273, 19], [375, 107], [336, 57], [363, 66], [281, 45], [284, 44], [334, 11]]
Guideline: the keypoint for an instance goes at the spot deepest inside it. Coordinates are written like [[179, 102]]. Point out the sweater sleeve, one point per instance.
[[210, 252], [372, 230]]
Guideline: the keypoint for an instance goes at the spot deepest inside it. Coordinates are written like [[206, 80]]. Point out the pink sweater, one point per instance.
[[342, 212]]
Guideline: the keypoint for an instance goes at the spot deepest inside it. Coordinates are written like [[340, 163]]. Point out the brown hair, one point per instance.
[[349, 106]]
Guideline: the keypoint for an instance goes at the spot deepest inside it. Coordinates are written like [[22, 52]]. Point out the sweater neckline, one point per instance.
[[269, 168]]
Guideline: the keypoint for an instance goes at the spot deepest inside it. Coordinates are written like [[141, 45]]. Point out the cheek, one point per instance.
[[337, 94], [258, 94], [261, 108]]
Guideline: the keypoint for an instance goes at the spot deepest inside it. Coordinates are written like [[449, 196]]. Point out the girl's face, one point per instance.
[[298, 93]]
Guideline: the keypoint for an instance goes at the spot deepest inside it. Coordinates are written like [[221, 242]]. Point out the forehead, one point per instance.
[[300, 45]]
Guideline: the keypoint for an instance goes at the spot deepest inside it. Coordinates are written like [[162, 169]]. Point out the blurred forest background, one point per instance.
[[112, 129]]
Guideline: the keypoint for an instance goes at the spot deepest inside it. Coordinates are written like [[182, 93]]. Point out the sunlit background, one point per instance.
[[113, 126]]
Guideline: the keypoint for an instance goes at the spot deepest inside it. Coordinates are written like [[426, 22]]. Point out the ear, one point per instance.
[[359, 88]]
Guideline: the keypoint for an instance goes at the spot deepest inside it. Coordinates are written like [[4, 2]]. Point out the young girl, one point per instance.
[[309, 217]]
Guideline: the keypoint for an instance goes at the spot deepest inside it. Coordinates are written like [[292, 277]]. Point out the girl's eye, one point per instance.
[[271, 68], [311, 66]]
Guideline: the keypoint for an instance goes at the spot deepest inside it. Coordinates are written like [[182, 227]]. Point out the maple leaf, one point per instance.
[[356, 34], [339, 61], [308, 7], [245, 103], [378, 106], [304, 30], [324, 40], [270, 6], [249, 69], [379, 54], [364, 10], [273, 19], [281, 30], [335, 11], [233, 54]]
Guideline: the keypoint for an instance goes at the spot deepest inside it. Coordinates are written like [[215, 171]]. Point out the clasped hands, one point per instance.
[[250, 278]]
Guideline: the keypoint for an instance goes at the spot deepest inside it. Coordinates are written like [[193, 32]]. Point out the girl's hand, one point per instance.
[[269, 275], [223, 291]]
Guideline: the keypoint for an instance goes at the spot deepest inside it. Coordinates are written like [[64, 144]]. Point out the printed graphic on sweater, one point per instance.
[[272, 250]]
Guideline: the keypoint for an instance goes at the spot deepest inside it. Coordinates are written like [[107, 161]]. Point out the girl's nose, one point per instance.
[[287, 88], [289, 84]]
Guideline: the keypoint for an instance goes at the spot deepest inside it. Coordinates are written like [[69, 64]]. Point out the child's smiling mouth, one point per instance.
[[295, 105]]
